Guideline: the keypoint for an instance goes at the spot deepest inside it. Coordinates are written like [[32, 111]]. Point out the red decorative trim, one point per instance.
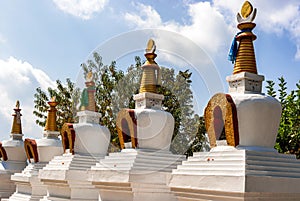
[[68, 137], [3, 154], [134, 120], [31, 150], [127, 126], [234, 119]]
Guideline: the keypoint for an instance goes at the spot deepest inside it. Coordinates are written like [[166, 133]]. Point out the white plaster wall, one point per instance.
[[154, 128], [14, 150], [91, 139], [48, 148], [258, 119]]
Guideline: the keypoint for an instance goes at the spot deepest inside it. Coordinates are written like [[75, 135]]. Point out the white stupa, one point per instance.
[[39, 152], [142, 169], [244, 166], [85, 143], [12, 155]]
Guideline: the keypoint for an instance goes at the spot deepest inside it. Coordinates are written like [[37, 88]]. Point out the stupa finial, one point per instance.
[[18, 104], [247, 13], [150, 52], [17, 126], [51, 118], [151, 71], [243, 55], [87, 101]]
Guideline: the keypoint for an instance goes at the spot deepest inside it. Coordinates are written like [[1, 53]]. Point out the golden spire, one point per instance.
[[51, 118], [17, 126], [245, 57], [91, 89], [151, 71]]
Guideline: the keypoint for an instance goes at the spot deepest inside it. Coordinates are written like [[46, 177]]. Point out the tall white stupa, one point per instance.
[[143, 167], [85, 143], [242, 127], [39, 152], [12, 155]]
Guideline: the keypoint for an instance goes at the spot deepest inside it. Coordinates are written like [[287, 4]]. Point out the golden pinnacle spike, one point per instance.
[[51, 118], [17, 126], [245, 56], [150, 75]]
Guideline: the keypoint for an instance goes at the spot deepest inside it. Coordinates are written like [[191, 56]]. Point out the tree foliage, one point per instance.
[[67, 95], [288, 138], [115, 90]]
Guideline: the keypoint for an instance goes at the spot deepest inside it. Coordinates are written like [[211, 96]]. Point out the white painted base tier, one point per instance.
[[7, 187], [66, 178], [227, 173], [29, 187], [135, 174], [7, 169]]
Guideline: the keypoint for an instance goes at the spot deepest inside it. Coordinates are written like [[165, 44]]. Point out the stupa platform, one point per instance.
[[29, 187], [66, 177], [228, 173], [135, 174]]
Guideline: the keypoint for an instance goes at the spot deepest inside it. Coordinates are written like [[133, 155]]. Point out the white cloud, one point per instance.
[[276, 16], [208, 27], [18, 81], [213, 24], [81, 8], [146, 18]]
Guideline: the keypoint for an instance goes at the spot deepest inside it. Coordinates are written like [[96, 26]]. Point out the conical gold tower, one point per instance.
[[91, 96], [51, 118], [151, 71], [245, 57], [17, 126]]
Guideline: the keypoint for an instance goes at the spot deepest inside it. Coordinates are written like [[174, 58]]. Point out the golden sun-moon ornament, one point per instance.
[[247, 9], [150, 46], [247, 13]]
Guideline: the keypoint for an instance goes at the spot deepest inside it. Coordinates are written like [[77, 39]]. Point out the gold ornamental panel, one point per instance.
[[127, 127], [225, 104]]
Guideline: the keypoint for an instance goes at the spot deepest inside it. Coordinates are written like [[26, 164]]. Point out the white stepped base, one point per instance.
[[7, 169], [233, 174], [66, 178], [29, 187], [7, 187], [134, 175]]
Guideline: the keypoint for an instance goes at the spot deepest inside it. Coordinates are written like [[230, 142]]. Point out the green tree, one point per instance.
[[288, 138], [115, 90], [67, 95]]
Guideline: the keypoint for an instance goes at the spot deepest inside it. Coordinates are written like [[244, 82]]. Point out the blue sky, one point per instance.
[[41, 41]]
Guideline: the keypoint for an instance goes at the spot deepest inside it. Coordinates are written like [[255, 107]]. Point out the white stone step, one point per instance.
[[215, 162], [211, 166], [212, 172], [273, 173]]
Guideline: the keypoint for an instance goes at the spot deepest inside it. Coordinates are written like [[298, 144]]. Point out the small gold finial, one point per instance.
[[51, 118], [151, 71], [89, 77], [18, 104], [17, 127]]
